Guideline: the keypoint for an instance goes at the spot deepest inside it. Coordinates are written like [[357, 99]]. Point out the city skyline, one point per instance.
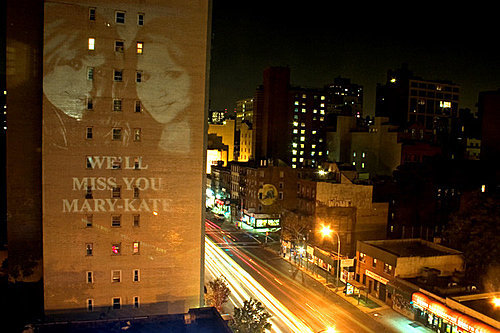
[[324, 41]]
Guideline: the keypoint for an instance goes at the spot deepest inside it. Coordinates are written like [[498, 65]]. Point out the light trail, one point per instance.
[[220, 264]]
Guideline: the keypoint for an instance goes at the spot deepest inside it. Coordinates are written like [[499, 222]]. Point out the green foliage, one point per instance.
[[474, 230], [218, 293], [251, 318]]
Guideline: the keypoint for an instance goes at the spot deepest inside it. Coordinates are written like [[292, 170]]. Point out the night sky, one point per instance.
[[321, 40]]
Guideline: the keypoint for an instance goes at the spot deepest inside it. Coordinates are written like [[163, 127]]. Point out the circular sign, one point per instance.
[[268, 194]]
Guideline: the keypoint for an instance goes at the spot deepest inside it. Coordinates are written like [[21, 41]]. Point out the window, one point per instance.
[[138, 76], [116, 249], [136, 247], [116, 163], [90, 73], [116, 220], [88, 133], [387, 268], [90, 103], [116, 192], [136, 275], [90, 277], [117, 133], [88, 194], [90, 305], [137, 164], [137, 219], [140, 47], [362, 257], [138, 107], [140, 19], [91, 44], [120, 17], [89, 221], [137, 134], [88, 162], [117, 303], [89, 248], [374, 262], [118, 75], [119, 46], [117, 105], [136, 302], [91, 14], [280, 195], [136, 192]]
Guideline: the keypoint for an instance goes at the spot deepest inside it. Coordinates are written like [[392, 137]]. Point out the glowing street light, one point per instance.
[[496, 302], [326, 231]]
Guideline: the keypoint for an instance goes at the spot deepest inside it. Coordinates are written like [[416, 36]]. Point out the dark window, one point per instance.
[[138, 76], [92, 14], [90, 305], [136, 275], [136, 192], [136, 302], [117, 133], [89, 248], [138, 106], [90, 104], [117, 105], [140, 19], [89, 133], [119, 46], [90, 277], [118, 75], [137, 219], [89, 221], [120, 17], [116, 220], [116, 303]]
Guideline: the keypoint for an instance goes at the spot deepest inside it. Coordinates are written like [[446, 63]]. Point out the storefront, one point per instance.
[[441, 318], [261, 222], [377, 286]]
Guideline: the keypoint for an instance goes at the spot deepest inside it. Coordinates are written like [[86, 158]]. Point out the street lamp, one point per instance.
[[326, 231]]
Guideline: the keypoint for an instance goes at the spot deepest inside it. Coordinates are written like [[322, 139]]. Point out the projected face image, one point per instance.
[[164, 89]]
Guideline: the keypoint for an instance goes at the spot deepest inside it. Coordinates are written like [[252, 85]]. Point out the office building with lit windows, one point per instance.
[[122, 156], [288, 122]]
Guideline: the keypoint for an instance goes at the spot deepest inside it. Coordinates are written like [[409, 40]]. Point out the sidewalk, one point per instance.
[[380, 311]]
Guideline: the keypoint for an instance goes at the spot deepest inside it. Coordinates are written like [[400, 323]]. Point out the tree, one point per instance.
[[251, 318], [218, 293], [474, 230], [295, 226]]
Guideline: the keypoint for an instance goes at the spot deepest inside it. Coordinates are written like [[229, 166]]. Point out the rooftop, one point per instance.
[[412, 248]]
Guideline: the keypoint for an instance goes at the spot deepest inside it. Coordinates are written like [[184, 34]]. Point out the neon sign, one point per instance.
[[453, 317]]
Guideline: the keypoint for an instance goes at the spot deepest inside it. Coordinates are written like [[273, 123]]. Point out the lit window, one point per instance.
[[137, 219], [135, 247], [296, 102], [302, 131], [354, 154], [315, 111], [294, 152], [140, 19], [294, 145], [363, 155], [302, 124], [302, 138], [313, 132], [119, 46], [304, 96], [322, 105], [303, 110], [321, 118], [445, 104], [295, 123], [136, 192], [117, 105], [322, 111], [322, 98], [294, 159], [353, 163], [320, 153], [363, 165], [301, 159], [89, 247], [294, 166], [295, 131], [92, 14], [118, 75], [91, 44], [89, 133], [313, 146], [374, 262], [120, 17], [312, 153], [301, 152], [90, 73], [138, 76], [117, 303], [115, 248], [140, 46], [362, 257], [137, 134]]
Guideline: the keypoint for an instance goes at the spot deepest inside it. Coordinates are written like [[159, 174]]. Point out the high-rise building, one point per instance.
[[288, 122], [122, 155], [345, 98], [407, 99], [244, 111]]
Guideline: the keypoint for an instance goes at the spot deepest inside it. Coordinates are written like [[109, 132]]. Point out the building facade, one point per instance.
[[124, 114]]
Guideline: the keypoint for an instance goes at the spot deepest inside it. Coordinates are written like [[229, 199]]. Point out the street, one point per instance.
[[315, 305]]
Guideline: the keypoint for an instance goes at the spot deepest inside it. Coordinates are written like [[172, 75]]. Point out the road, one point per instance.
[[298, 302]]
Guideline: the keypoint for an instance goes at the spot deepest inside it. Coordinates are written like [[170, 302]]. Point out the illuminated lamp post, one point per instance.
[[326, 231]]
